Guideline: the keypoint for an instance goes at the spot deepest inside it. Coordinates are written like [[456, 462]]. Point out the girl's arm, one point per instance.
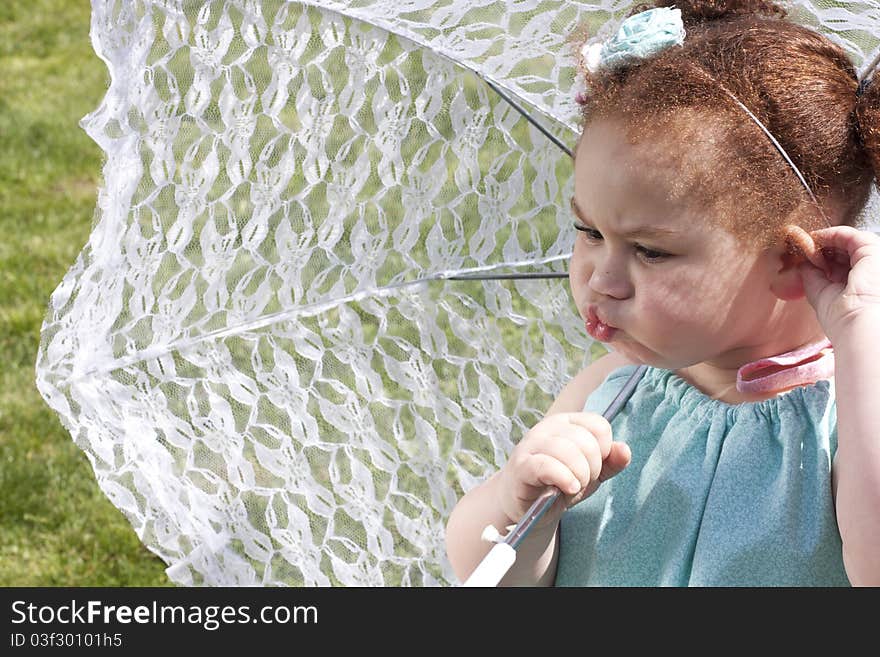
[[846, 297], [856, 469]]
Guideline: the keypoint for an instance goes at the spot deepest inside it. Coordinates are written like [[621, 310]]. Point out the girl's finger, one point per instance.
[[592, 422], [617, 460], [591, 448], [845, 244], [546, 470], [576, 448]]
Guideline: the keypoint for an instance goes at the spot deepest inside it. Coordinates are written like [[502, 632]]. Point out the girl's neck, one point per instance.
[[718, 378]]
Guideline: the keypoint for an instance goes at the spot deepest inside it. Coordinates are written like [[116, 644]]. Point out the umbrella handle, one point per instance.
[[493, 566]]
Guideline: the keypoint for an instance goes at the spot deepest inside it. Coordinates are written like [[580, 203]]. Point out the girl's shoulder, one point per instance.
[[574, 395]]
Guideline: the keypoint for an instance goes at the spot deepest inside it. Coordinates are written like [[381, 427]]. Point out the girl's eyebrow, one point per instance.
[[648, 232]]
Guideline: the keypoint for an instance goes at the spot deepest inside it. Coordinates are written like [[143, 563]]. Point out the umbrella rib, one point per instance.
[[311, 309], [507, 277], [865, 76], [490, 83], [528, 117]]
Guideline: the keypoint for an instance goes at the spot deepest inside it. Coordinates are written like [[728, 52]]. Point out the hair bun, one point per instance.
[[694, 12]]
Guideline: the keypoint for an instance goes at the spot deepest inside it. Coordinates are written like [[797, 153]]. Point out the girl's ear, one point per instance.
[[799, 247]]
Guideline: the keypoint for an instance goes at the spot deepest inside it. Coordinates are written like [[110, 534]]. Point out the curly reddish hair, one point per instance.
[[799, 84]]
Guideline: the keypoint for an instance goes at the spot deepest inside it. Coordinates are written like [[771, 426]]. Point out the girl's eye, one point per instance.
[[589, 232], [653, 256], [647, 254]]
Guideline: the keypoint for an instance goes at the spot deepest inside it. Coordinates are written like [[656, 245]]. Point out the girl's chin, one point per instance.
[[635, 353]]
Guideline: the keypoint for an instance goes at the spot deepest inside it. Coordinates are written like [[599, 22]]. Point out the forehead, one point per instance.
[[650, 181], [655, 159]]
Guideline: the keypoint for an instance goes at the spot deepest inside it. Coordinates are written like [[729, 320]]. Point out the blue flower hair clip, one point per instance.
[[639, 36]]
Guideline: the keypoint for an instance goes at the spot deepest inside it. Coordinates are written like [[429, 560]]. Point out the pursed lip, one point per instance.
[[594, 316]]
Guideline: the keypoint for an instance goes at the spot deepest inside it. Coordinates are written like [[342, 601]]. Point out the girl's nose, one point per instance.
[[609, 279]]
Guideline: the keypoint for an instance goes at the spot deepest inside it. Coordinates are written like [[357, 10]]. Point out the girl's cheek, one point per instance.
[[579, 268], [665, 304]]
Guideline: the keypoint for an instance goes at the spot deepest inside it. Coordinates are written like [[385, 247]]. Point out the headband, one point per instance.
[[650, 32]]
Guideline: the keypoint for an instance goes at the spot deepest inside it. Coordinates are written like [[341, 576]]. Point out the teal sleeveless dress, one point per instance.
[[716, 494]]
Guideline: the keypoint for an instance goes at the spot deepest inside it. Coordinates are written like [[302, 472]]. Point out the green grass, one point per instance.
[[56, 527]]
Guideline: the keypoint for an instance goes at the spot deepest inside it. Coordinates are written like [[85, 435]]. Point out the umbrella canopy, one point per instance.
[[260, 349]]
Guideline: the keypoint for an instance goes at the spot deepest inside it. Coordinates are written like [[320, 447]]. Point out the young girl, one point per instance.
[[702, 251]]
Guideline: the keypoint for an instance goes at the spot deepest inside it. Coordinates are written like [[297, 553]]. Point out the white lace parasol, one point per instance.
[[259, 348]]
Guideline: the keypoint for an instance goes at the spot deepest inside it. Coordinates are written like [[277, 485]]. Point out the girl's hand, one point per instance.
[[571, 451], [848, 283]]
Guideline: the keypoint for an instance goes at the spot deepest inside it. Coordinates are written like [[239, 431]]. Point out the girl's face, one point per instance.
[[679, 290]]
